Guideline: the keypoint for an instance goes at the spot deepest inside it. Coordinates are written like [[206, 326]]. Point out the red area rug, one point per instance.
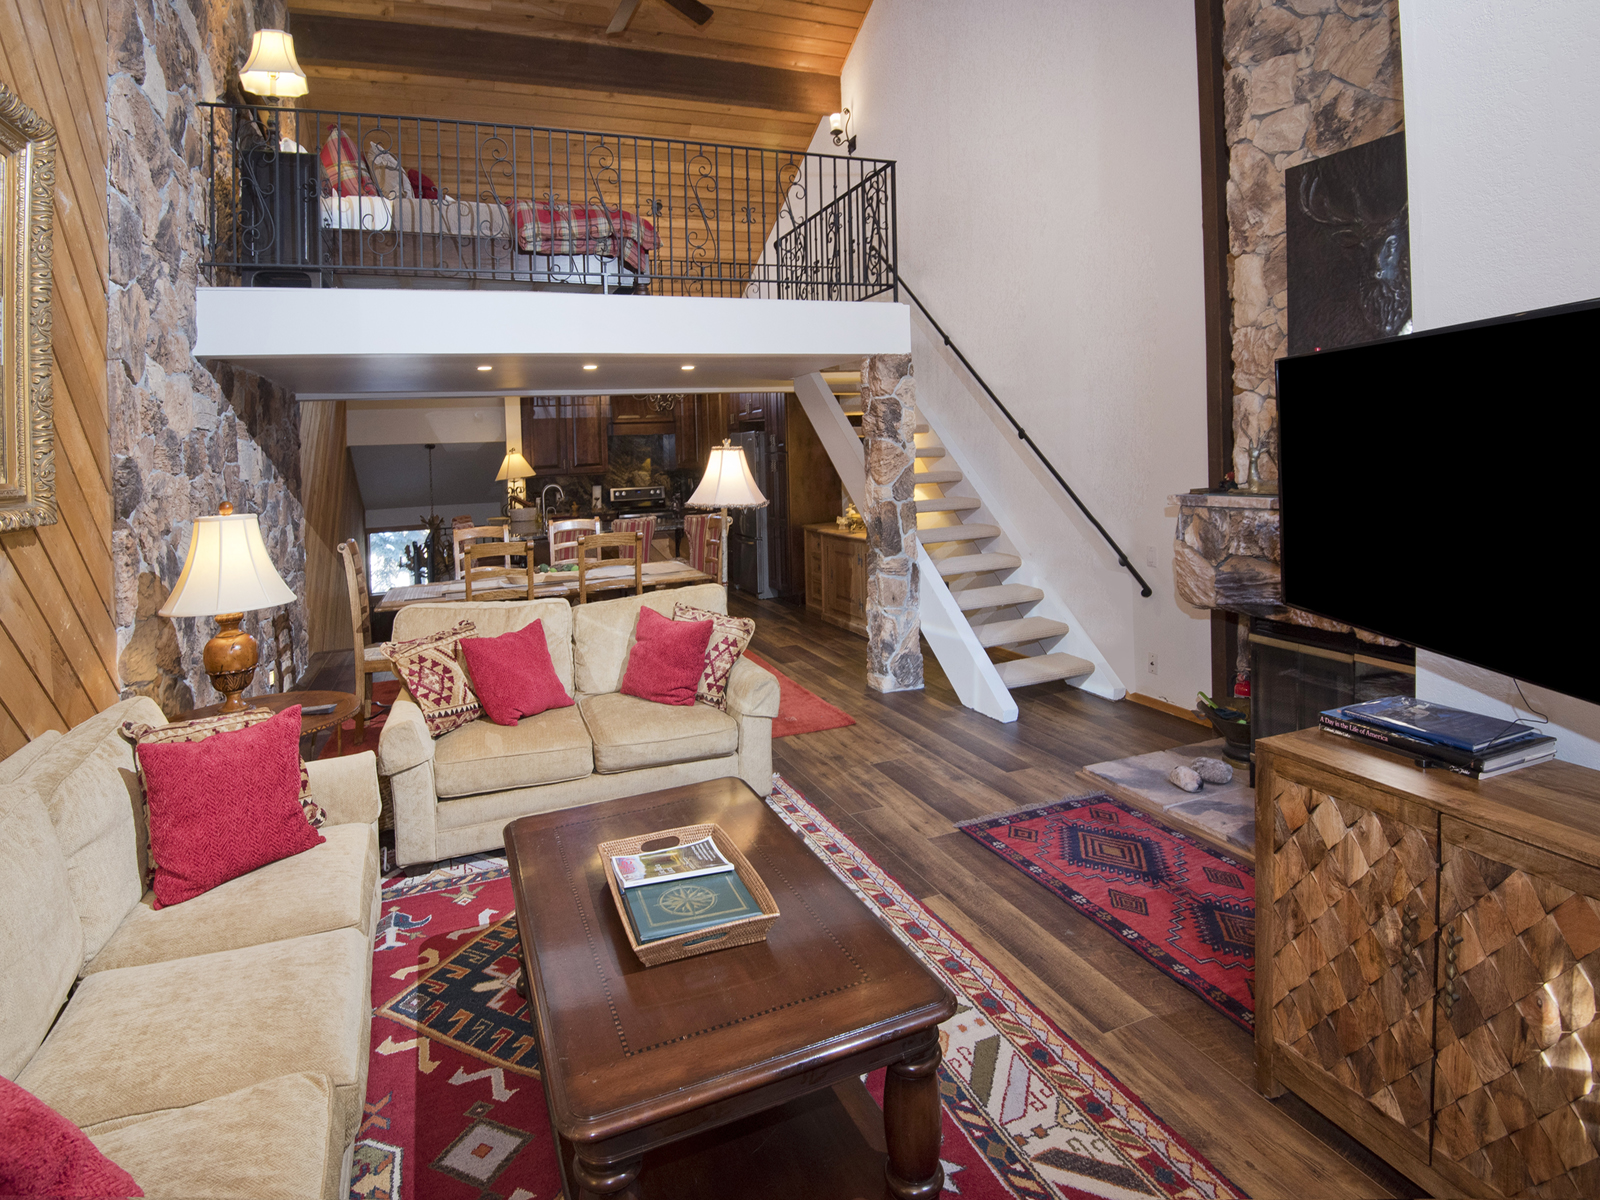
[[799, 710], [385, 692], [455, 1109], [1187, 909]]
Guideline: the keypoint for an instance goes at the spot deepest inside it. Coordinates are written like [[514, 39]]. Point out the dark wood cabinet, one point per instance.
[[836, 576], [1425, 956], [637, 415], [567, 435], [701, 423]]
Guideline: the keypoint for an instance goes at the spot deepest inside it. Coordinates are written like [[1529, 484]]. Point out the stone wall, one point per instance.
[[889, 422], [184, 438], [1305, 79]]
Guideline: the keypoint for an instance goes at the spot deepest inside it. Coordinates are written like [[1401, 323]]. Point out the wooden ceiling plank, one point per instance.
[[475, 54]]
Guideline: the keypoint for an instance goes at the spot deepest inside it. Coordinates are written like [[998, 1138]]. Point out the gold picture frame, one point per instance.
[[27, 405]]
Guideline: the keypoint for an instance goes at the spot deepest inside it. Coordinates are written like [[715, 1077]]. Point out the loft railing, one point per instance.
[[1122, 558], [411, 201]]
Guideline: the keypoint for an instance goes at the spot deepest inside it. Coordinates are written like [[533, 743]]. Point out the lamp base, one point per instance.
[[230, 659]]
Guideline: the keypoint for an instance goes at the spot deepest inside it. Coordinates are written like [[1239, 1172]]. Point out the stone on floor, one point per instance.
[[1226, 812]]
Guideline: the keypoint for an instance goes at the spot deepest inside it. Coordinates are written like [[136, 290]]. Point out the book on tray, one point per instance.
[[675, 862], [1524, 749], [1439, 724], [669, 907]]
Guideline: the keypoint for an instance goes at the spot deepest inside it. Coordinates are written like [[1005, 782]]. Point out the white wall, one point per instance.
[[1503, 167], [1049, 216]]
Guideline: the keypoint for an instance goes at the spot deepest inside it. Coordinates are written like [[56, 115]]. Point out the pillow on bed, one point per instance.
[[423, 187], [343, 172], [385, 170]]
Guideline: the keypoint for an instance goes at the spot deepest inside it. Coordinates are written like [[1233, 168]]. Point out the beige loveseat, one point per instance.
[[454, 795], [213, 1048]]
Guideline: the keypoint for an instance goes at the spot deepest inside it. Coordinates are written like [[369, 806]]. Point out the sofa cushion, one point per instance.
[[630, 733], [13, 767], [330, 886], [144, 1039], [275, 1140], [44, 1154], [492, 618], [667, 659], [90, 788], [485, 757], [602, 632], [514, 675], [41, 941]]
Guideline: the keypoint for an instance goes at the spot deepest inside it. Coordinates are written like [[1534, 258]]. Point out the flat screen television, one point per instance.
[[1442, 488]]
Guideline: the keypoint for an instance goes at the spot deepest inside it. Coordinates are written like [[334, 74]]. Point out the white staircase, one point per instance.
[[968, 607]]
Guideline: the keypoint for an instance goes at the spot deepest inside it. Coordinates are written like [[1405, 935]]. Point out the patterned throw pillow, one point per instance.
[[729, 637], [343, 173], [386, 174], [197, 730], [433, 674]]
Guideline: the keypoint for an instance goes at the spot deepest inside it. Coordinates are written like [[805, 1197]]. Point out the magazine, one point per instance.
[[676, 862], [1438, 723]]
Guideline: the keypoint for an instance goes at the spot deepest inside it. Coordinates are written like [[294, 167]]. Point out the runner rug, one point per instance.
[[455, 1109], [1189, 910]]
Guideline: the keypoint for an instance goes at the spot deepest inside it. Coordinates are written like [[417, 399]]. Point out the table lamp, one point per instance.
[[227, 574], [514, 468], [727, 484]]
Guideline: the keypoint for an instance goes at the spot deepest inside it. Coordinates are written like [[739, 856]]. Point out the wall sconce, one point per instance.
[[271, 69], [839, 126]]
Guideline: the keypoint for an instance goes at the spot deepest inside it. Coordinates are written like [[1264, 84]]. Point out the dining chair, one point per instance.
[[370, 659], [473, 534], [629, 546], [564, 537], [703, 533], [646, 526], [475, 556], [283, 650]]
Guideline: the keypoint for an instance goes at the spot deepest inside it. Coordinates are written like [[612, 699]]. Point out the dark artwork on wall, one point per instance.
[[1349, 247]]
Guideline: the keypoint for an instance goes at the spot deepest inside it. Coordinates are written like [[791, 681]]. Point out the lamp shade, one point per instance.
[[228, 570], [514, 466], [728, 482], [271, 69]]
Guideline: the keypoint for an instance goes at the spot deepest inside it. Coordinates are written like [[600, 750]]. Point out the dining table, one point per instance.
[[513, 584]]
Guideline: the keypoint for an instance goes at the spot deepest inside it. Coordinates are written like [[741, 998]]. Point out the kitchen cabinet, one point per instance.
[[567, 435], [1426, 947], [636, 415], [836, 576]]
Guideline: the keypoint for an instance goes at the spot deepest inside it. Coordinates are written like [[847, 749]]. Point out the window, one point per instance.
[[386, 558]]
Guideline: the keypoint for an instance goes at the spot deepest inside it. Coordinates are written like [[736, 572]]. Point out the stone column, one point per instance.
[[889, 420]]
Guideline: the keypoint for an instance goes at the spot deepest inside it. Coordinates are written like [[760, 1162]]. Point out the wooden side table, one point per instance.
[[345, 706]]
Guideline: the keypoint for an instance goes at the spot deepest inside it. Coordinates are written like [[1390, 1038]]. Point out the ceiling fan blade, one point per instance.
[[693, 9], [622, 15]]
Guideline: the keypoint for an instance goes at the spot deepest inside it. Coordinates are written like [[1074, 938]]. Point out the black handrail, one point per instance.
[[1122, 558]]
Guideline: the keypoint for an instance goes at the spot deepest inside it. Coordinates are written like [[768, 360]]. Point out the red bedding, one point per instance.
[[544, 228]]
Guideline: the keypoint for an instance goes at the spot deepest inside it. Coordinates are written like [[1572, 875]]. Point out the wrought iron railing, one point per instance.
[[470, 203]]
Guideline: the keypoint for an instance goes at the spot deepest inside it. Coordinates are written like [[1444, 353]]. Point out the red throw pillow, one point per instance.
[[44, 1154], [667, 658], [222, 807], [513, 674], [424, 187]]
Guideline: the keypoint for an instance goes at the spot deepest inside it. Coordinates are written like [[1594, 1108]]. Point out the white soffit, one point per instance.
[[350, 343]]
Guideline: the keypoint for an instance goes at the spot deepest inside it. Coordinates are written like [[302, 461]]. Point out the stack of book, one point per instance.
[[681, 890], [1436, 735]]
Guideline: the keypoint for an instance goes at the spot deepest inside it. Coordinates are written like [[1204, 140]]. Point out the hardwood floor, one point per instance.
[[917, 762]]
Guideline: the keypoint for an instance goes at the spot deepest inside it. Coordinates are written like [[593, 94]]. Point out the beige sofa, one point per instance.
[[216, 1047], [454, 795]]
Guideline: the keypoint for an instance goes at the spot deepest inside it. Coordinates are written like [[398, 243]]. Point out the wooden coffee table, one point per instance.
[[646, 1061]]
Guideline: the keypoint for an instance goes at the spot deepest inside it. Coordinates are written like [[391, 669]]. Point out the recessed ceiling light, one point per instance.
[[486, 367], [688, 366], [591, 366]]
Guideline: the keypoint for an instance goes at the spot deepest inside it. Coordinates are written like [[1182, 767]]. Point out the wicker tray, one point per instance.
[[698, 941]]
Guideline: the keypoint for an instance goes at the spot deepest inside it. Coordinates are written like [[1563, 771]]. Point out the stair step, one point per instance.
[[1026, 629], [852, 407], [1020, 672], [957, 533], [842, 381], [948, 504], [931, 452], [972, 564], [921, 427], [1007, 594], [946, 476]]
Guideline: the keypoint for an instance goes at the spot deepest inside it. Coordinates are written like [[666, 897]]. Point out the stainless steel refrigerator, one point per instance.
[[747, 540]]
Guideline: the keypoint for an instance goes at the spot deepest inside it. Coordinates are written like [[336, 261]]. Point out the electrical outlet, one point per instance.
[[1150, 665], [1150, 556]]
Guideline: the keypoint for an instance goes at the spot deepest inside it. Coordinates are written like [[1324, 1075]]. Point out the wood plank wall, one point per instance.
[[58, 646], [334, 511]]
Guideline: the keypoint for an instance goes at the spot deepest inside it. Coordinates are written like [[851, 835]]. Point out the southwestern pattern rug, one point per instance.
[[455, 1108], [1187, 909]]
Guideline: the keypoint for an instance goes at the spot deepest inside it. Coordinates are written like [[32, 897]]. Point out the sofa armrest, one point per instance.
[[404, 741], [752, 690], [346, 788]]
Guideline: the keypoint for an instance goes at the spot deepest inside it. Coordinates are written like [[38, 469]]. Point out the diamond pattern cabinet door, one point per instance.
[[1354, 947], [1515, 1094]]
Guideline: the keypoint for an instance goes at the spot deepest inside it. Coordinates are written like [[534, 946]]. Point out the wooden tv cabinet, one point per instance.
[[1427, 949]]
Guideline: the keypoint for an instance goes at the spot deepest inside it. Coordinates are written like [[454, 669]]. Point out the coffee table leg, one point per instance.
[[911, 1125], [603, 1179]]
